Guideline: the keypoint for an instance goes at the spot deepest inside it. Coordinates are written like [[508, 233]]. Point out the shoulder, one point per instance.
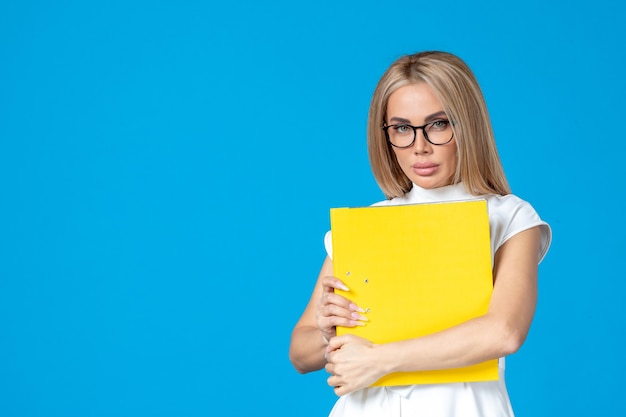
[[510, 215], [511, 208]]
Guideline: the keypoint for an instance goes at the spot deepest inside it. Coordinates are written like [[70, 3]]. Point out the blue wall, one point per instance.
[[166, 170]]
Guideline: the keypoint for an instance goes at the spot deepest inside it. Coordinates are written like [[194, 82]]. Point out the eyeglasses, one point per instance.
[[438, 132]]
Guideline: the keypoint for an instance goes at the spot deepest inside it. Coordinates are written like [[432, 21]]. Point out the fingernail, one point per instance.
[[359, 317], [343, 287], [357, 323], [355, 307]]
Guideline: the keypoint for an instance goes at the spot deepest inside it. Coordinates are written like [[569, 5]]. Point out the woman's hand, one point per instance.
[[352, 363], [316, 327], [336, 310]]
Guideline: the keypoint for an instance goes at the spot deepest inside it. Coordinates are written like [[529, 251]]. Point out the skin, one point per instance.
[[355, 363], [427, 165]]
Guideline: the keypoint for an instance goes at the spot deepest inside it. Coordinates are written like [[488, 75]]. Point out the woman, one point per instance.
[[429, 140]]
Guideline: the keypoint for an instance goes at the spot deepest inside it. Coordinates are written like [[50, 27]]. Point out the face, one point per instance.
[[427, 165]]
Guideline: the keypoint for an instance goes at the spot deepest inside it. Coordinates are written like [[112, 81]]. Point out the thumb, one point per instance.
[[337, 342]]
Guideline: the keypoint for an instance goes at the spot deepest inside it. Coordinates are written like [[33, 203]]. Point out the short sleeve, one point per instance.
[[510, 215], [328, 244]]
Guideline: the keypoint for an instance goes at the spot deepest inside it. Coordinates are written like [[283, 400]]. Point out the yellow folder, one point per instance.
[[416, 269]]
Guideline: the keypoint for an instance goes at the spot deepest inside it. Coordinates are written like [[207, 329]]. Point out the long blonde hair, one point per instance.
[[479, 166]]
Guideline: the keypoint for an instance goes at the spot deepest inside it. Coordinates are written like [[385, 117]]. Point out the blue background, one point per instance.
[[166, 170]]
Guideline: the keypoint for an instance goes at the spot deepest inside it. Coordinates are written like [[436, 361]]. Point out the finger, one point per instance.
[[336, 305], [337, 342], [337, 384], [334, 380], [331, 317], [340, 300], [341, 390], [331, 283]]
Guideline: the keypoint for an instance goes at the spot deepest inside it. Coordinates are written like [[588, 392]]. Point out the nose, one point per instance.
[[421, 145]]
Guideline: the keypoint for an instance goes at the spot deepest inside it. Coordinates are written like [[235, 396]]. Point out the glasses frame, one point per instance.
[[385, 127]]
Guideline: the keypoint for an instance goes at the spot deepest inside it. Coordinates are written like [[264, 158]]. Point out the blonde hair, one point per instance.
[[454, 84]]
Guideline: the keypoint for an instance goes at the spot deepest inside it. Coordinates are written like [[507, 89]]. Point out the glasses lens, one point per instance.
[[439, 132], [401, 135]]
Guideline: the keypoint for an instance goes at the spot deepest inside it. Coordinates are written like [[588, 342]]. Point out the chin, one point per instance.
[[430, 184]]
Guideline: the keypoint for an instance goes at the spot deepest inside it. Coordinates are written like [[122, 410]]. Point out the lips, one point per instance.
[[424, 168]]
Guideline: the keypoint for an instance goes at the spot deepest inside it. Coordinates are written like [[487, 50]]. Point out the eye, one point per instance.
[[402, 129], [440, 125]]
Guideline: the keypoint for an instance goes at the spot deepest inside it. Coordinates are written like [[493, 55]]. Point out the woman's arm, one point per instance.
[[356, 363], [316, 326]]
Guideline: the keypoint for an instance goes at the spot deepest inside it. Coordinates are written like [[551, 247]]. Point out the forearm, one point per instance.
[[498, 333], [486, 337], [307, 348]]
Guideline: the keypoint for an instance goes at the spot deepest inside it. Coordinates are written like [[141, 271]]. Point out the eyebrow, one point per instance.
[[427, 119]]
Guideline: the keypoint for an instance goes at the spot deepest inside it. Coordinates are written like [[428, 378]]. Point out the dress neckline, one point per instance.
[[448, 193]]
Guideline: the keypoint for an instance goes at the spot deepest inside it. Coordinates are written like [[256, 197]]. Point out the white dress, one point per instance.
[[508, 215]]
